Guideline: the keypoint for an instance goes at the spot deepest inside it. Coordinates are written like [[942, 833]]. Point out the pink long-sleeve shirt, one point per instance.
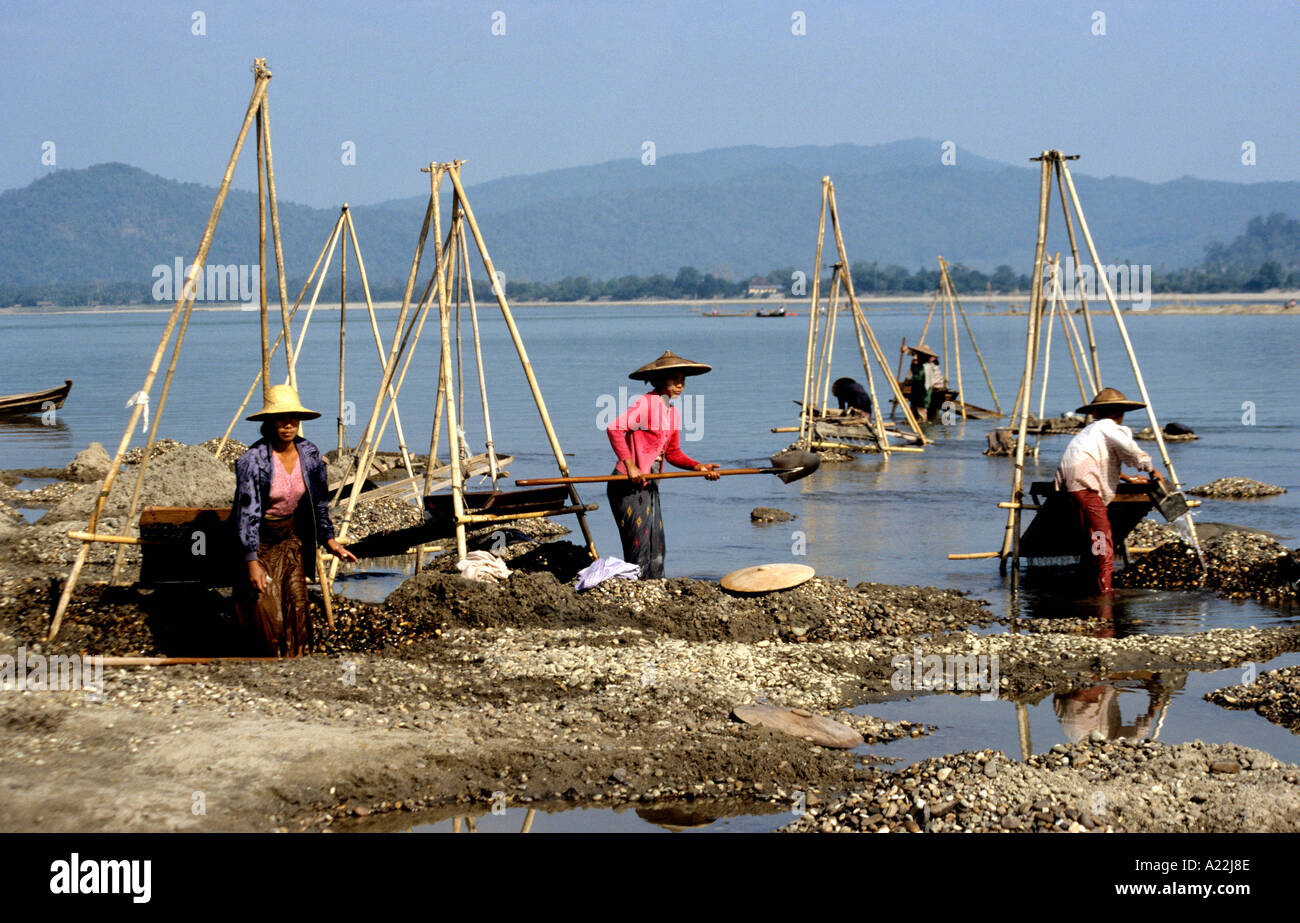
[[648, 429]]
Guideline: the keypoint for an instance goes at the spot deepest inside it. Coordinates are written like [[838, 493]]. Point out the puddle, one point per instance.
[[1168, 706], [668, 817]]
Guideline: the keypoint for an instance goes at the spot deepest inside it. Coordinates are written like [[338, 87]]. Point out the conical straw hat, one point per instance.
[[669, 362], [923, 350], [765, 578], [1110, 399], [283, 399]]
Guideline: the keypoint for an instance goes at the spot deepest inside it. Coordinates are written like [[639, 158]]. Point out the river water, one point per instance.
[[1230, 378]]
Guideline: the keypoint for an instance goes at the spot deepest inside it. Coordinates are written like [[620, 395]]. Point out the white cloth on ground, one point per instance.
[[483, 566], [606, 569]]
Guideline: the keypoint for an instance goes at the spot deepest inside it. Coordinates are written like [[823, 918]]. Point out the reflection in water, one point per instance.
[[1096, 708]]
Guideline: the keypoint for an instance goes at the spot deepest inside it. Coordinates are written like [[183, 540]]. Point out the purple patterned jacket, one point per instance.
[[252, 492]]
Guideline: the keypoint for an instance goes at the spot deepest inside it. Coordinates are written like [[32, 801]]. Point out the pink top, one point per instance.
[[647, 430], [1092, 459], [287, 488]]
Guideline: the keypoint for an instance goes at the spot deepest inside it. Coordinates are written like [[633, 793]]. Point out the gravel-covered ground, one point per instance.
[[451, 692], [1275, 695]]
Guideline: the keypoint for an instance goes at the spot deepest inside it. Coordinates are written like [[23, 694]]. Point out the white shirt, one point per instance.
[[1093, 457]]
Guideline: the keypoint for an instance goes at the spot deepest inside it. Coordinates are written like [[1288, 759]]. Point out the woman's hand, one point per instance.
[[711, 469], [339, 551], [634, 473], [257, 577]]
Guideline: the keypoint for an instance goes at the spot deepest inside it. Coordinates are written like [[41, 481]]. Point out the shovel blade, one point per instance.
[[795, 464]]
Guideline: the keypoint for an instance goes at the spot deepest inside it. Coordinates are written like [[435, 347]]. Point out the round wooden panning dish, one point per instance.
[[765, 578]]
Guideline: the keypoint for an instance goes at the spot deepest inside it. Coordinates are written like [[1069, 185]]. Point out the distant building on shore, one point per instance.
[[761, 288]]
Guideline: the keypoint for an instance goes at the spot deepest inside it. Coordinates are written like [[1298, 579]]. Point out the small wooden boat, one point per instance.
[[12, 405], [716, 313], [774, 312]]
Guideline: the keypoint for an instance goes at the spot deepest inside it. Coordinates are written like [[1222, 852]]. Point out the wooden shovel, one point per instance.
[[790, 465]]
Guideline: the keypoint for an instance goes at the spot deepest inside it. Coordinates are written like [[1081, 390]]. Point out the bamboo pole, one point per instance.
[[412, 336], [859, 317], [822, 384], [902, 354], [1086, 370], [445, 376], [261, 254], [978, 354], [366, 449], [379, 348], [262, 79], [1047, 349], [930, 316], [1083, 296], [956, 340], [311, 306], [275, 346], [1063, 312], [265, 117], [1011, 539], [1119, 322], [877, 417], [804, 419], [460, 369], [478, 356], [120, 557], [343, 333], [454, 173]]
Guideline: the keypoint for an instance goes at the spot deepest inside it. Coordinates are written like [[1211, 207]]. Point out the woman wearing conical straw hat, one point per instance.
[[647, 433], [924, 377], [1090, 472], [282, 515]]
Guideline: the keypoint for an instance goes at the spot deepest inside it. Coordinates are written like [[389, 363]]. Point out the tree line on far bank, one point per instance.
[[1266, 257]]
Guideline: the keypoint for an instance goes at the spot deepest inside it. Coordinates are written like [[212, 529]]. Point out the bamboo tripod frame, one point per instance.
[[818, 356], [1054, 163], [449, 279], [945, 297], [257, 112]]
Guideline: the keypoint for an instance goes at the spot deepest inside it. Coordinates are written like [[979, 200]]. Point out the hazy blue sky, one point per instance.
[[1170, 89]]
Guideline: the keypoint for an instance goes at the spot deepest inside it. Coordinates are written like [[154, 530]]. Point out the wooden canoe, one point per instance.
[[34, 401]]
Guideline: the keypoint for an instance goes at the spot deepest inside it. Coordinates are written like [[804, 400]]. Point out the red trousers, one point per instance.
[[1099, 552]]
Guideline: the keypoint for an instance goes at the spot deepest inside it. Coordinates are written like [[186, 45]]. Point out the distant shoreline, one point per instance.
[[1224, 303]]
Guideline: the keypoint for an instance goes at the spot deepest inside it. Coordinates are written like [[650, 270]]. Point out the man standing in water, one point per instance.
[[1090, 472]]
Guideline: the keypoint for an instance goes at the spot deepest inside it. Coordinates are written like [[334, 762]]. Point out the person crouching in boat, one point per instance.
[[646, 434], [282, 514], [1090, 472]]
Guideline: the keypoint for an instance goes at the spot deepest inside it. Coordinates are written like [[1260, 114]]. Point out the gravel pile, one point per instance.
[[1095, 786], [1236, 489], [1274, 695], [1150, 534], [819, 610], [160, 448], [182, 476], [1238, 564]]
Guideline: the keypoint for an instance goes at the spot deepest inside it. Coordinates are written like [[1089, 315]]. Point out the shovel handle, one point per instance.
[[596, 479]]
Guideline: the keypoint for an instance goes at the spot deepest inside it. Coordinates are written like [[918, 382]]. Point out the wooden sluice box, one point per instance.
[[1055, 531], [500, 505], [188, 545]]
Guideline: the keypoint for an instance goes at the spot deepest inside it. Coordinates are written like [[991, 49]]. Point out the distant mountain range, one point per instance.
[[734, 211]]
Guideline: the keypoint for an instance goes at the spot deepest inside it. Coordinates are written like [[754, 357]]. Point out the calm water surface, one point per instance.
[[890, 521]]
